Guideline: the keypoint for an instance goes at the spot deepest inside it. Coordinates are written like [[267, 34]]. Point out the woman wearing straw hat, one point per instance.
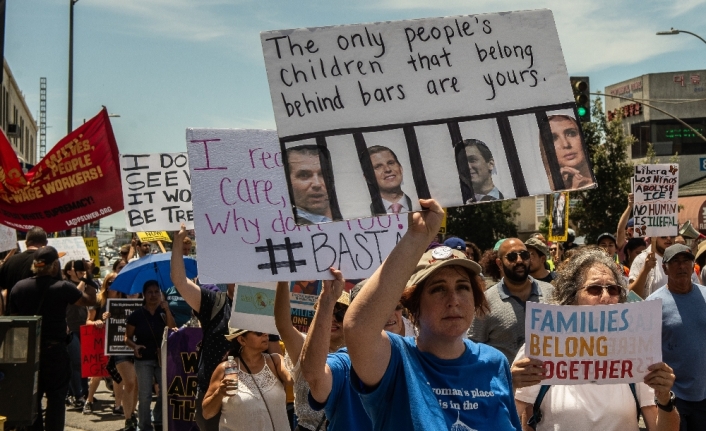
[[440, 380], [255, 399]]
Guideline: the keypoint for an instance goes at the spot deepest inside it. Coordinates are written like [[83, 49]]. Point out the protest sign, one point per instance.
[[559, 219], [463, 108], [601, 344], [156, 191], [119, 310], [8, 238], [243, 218], [154, 236], [73, 246], [92, 247], [254, 307], [93, 361], [74, 184], [180, 378], [302, 297], [656, 207]]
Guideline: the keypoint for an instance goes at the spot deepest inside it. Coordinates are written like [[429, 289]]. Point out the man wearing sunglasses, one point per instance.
[[683, 337], [504, 327]]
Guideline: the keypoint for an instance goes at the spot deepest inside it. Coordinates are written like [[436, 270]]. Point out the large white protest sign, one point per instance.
[[8, 238], [156, 191], [73, 246], [596, 344], [244, 222], [254, 307], [462, 109], [656, 207]]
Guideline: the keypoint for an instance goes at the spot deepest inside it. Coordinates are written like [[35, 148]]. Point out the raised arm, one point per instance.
[[168, 313], [186, 288], [623, 223], [88, 291], [368, 345], [315, 351], [293, 339]]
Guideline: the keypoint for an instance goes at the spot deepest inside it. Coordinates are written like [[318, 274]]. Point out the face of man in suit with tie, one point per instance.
[[388, 172], [481, 170]]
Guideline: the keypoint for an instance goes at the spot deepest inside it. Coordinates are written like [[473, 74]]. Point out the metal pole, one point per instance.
[[69, 115]]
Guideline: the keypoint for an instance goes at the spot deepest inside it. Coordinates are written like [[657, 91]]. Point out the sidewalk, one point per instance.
[[102, 418]]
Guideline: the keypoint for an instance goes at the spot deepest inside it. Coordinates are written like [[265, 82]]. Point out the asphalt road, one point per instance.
[[102, 418]]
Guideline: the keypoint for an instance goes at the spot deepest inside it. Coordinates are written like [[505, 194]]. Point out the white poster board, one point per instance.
[[254, 307], [8, 238], [601, 344], [656, 207], [244, 222], [156, 191], [73, 246], [465, 106]]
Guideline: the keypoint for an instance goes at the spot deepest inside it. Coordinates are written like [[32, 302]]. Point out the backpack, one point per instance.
[[537, 413]]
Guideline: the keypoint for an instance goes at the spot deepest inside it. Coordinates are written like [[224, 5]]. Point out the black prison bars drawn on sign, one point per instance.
[[274, 263]]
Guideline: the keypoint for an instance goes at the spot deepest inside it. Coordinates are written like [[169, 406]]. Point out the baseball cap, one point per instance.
[[456, 243], [46, 255], [606, 235], [538, 245], [674, 250], [631, 222], [438, 258]]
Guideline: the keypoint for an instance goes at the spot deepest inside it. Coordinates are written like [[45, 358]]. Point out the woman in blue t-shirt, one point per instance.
[[440, 380]]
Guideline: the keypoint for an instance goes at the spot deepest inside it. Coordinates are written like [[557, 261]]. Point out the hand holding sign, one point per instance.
[[526, 372], [661, 379]]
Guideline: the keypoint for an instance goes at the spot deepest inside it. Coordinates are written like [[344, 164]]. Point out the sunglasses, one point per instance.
[[512, 256], [339, 313], [597, 289]]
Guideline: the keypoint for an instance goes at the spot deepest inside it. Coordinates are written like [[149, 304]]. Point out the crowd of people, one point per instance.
[[432, 340]]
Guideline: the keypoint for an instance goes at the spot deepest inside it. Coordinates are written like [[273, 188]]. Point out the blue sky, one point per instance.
[[165, 65]]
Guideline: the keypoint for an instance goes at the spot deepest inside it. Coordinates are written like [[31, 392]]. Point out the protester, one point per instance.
[[79, 272], [504, 327], [647, 273], [142, 249], [94, 319], [570, 238], [700, 260], [126, 252], [473, 252], [213, 311], [44, 295], [186, 246], [683, 336], [592, 278], [557, 253], [256, 399], [491, 271], [539, 253], [632, 248], [147, 325], [19, 266], [307, 418], [408, 383]]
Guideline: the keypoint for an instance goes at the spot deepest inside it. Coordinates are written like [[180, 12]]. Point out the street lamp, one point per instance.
[[674, 31], [69, 116]]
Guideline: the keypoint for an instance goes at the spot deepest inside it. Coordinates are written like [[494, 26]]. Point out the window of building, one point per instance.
[[668, 137]]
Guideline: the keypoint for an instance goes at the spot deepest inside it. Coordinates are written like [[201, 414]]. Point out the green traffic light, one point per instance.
[[581, 111]]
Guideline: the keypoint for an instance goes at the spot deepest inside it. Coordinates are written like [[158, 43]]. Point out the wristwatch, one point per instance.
[[670, 405]]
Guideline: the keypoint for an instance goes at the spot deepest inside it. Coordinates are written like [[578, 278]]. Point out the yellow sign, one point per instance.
[[92, 246], [154, 236], [442, 229], [559, 218]]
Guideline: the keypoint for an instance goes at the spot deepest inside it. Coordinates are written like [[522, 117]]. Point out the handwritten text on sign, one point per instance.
[[241, 207], [156, 191], [656, 190], [596, 344], [93, 361]]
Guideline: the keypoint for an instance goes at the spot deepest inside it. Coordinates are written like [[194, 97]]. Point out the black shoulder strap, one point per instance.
[[637, 402], [536, 412], [221, 299]]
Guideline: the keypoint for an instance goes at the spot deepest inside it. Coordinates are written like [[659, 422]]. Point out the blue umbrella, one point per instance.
[[133, 276]]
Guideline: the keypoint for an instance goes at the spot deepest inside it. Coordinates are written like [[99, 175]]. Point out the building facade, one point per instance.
[[16, 119]]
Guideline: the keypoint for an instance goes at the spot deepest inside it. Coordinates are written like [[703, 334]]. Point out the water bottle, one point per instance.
[[232, 369]]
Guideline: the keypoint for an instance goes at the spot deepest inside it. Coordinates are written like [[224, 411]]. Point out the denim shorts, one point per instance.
[[123, 358]]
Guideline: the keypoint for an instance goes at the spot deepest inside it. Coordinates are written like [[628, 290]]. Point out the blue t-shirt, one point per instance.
[[343, 408], [422, 392], [684, 339], [178, 306]]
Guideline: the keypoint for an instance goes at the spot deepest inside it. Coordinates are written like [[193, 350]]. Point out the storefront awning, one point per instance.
[[693, 209]]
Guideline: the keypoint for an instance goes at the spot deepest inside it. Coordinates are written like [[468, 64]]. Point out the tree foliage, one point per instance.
[[598, 210], [483, 224]]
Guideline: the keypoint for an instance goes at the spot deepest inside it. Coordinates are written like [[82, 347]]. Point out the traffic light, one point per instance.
[[581, 88]]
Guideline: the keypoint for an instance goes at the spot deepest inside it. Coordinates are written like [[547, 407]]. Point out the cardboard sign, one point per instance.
[[8, 238], [656, 208], [74, 184], [92, 247], [156, 191], [93, 361], [462, 109], [116, 324], [73, 246], [154, 236], [559, 218], [243, 218], [180, 380], [303, 295], [254, 307], [601, 344]]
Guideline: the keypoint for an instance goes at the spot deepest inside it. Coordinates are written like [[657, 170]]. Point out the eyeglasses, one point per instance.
[[512, 256], [597, 289], [552, 249], [339, 313]]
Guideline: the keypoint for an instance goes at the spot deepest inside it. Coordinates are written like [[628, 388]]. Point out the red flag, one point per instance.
[[78, 182]]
